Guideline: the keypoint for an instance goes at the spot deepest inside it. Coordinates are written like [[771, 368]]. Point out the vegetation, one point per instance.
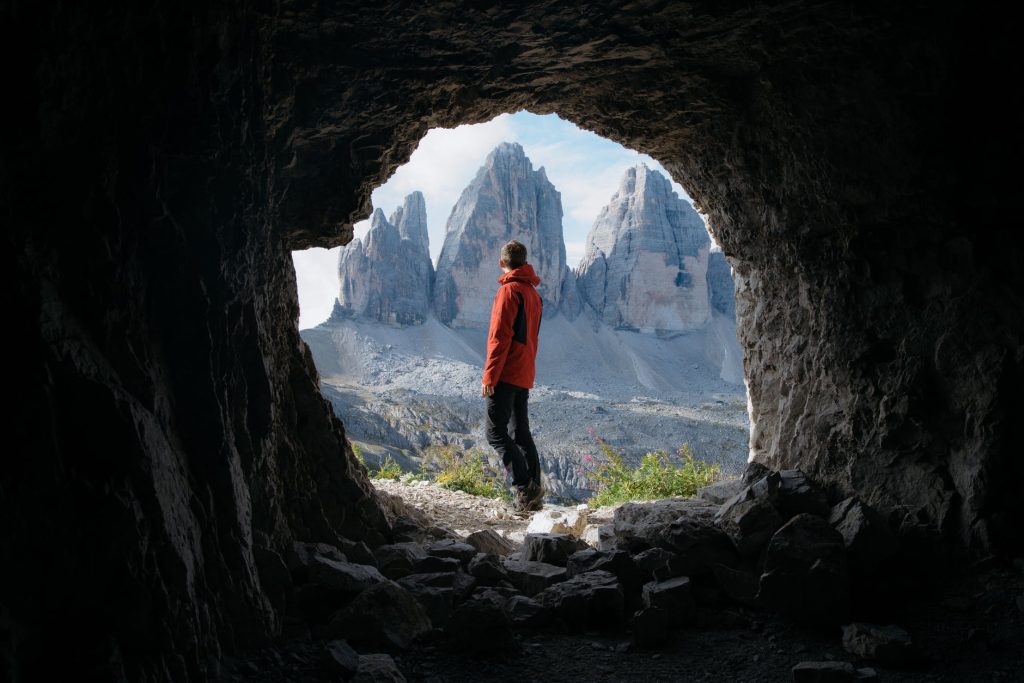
[[466, 471], [659, 475], [389, 469], [357, 450]]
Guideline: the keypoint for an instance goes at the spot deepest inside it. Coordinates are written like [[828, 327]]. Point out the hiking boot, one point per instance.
[[535, 497], [520, 499]]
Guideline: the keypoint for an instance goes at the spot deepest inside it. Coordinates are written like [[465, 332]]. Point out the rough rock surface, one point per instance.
[[388, 275], [507, 200], [646, 262], [168, 420]]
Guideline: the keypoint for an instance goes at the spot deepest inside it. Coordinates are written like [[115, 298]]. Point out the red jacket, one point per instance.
[[515, 324]]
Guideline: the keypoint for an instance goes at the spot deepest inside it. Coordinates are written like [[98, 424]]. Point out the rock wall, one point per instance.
[[646, 261], [160, 162], [388, 276]]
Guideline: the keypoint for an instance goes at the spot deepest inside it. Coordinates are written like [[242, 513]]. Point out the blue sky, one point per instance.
[[585, 168]]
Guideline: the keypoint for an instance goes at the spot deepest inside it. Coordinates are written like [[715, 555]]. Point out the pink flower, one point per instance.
[[588, 458], [590, 430]]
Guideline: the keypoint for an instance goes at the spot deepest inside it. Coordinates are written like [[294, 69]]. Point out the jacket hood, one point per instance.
[[523, 273]]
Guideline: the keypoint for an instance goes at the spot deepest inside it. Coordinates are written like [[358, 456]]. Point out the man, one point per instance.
[[509, 371]]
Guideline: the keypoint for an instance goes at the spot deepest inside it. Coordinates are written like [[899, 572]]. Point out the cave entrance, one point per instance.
[[638, 349]]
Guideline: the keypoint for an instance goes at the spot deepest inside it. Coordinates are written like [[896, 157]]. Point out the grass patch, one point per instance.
[[466, 471], [388, 469], [659, 475]]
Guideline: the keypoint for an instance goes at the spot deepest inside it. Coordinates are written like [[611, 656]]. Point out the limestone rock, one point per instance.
[[388, 275], [550, 548], [378, 668], [721, 287], [646, 260], [506, 200], [450, 548], [559, 520], [868, 539], [642, 525], [749, 523], [882, 644], [533, 577], [487, 569], [480, 625], [385, 615], [589, 600], [340, 659], [673, 596], [399, 559], [345, 577], [490, 542], [805, 572], [720, 492]]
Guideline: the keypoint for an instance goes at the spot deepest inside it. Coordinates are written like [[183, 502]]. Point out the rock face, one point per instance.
[[646, 264], [507, 200], [388, 276], [721, 287], [168, 421]]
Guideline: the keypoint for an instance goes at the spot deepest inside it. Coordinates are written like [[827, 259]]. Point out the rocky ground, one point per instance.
[[401, 391], [472, 592]]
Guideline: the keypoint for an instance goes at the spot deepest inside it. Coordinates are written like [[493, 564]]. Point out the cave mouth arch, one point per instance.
[[775, 143], [645, 379], [172, 437]]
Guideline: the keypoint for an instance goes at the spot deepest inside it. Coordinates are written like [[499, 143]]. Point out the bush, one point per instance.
[[389, 469], [357, 451], [658, 475], [469, 472]]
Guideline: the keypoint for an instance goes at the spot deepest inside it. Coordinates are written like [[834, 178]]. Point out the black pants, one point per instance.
[[507, 409]]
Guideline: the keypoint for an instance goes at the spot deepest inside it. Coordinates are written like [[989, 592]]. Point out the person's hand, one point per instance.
[[486, 390]]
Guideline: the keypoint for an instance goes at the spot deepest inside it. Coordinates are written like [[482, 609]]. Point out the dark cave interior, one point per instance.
[[171, 439]]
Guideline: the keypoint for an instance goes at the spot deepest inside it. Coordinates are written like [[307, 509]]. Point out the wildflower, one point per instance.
[[590, 430], [588, 458]]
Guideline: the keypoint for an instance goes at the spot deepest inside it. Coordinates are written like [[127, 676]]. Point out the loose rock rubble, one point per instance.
[[773, 544]]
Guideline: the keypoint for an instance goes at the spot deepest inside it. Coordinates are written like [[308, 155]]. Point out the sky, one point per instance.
[[584, 167]]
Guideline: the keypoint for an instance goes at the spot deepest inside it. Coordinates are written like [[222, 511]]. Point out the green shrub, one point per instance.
[[469, 472], [357, 451], [389, 469], [658, 475]]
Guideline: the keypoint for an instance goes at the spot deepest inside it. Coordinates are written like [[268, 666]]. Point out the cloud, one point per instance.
[[316, 275]]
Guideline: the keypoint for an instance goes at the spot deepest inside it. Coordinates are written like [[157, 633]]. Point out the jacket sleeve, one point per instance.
[[499, 339]]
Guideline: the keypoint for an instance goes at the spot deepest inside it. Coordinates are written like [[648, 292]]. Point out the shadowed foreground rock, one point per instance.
[[168, 441]]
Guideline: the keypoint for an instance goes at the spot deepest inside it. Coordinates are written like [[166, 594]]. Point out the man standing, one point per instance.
[[509, 371]]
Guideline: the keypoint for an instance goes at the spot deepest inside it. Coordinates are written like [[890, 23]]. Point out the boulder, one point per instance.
[[805, 572], [550, 548], [300, 556], [527, 612], [719, 492], [673, 596], [487, 569], [750, 523], [462, 584], [481, 626], [450, 548], [533, 577], [869, 541], [433, 563], [378, 668], [699, 544], [754, 471], [654, 561], [650, 628], [618, 562], [590, 600], [344, 577], [490, 542], [340, 660], [357, 551], [383, 616], [738, 584], [559, 520], [882, 644], [797, 494], [644, 525], [399, 559]]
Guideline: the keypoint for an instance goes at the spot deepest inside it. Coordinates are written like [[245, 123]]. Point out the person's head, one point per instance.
[[513, 255]]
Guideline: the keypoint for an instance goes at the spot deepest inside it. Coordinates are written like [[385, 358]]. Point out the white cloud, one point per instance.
[[316, 275]]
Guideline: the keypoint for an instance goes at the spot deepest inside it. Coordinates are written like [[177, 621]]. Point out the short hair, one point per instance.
[[513, 254]]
